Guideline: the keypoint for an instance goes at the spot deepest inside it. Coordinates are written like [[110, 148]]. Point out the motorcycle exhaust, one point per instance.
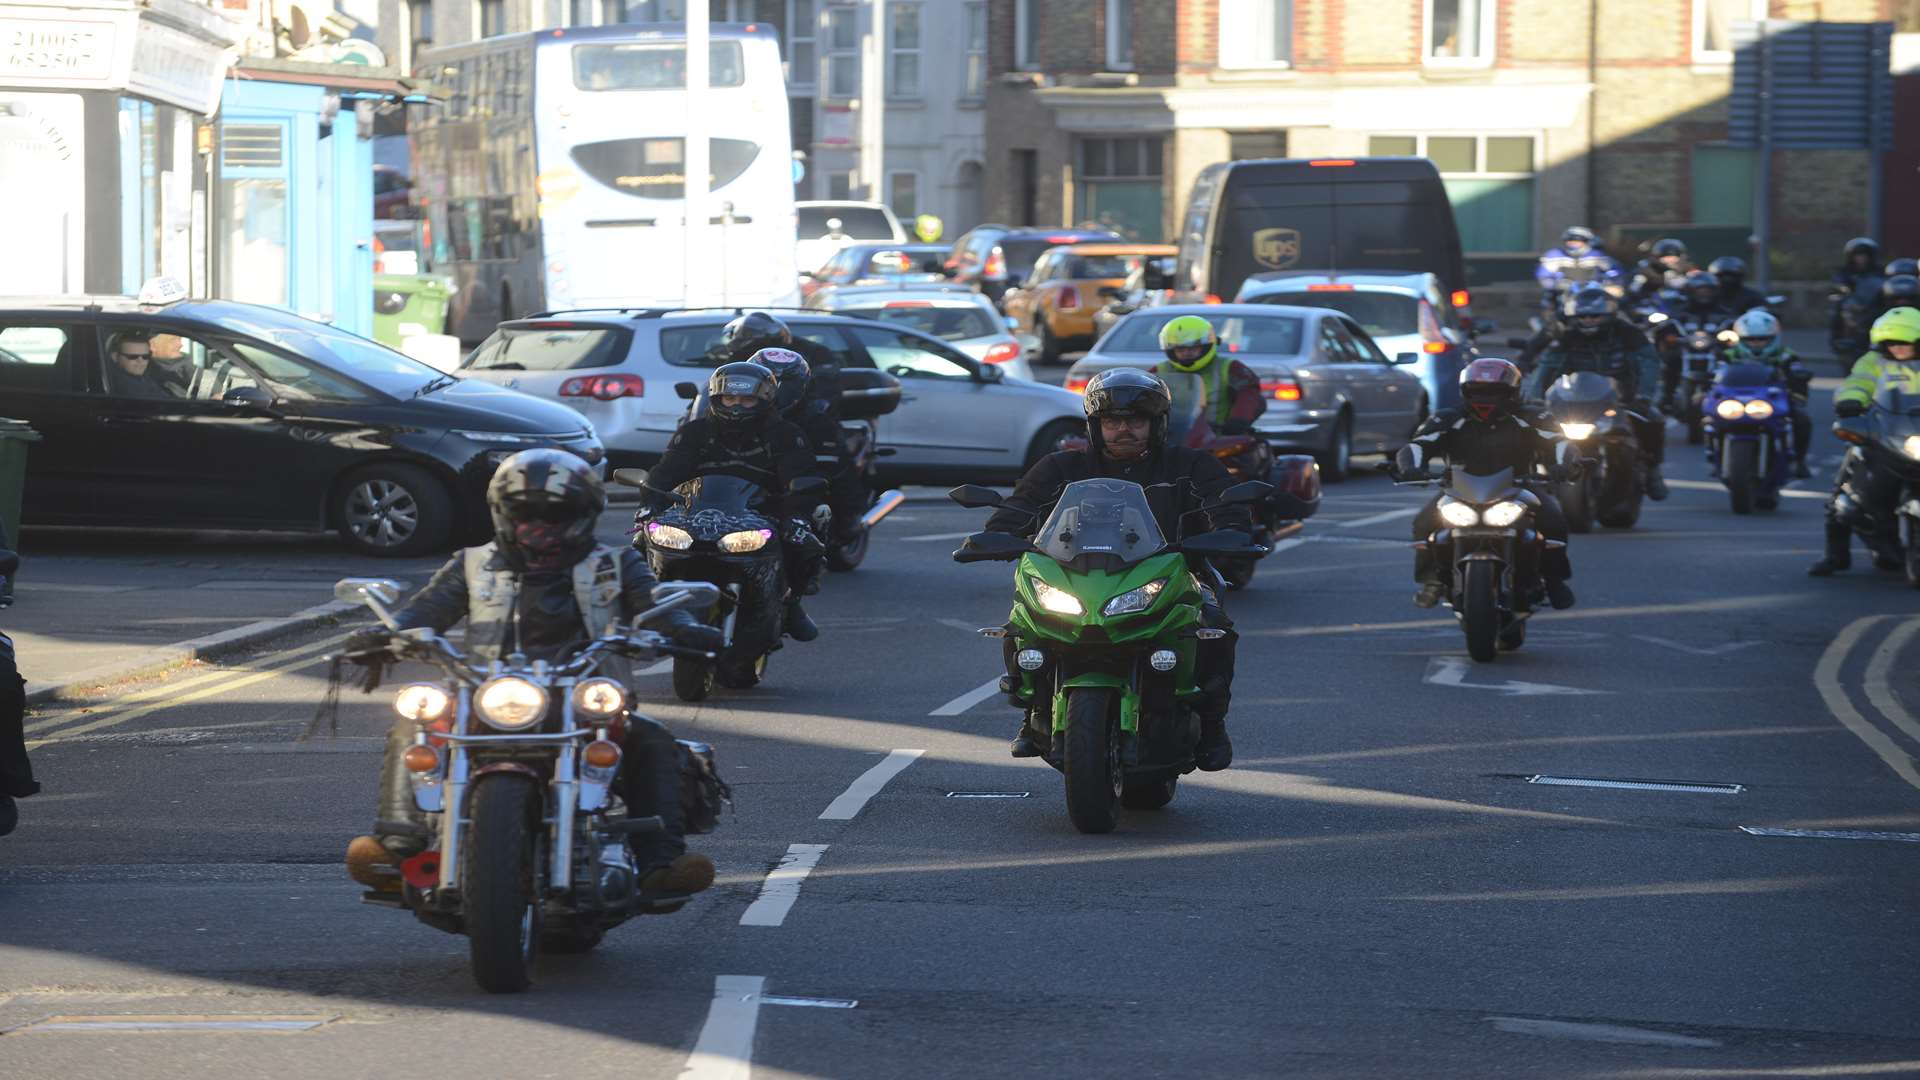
[[888, 503]]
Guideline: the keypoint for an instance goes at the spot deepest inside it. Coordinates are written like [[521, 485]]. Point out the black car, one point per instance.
[[993, 258], [216, 415]]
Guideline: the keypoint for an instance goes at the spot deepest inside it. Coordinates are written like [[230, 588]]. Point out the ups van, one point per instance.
[[1329, 214]]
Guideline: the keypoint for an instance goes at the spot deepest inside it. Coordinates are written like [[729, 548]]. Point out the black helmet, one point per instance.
[[1127, 392], [1729, 270], [1668, 246], [746, 380], [1901, 290], [1862, 245], [1579, 234], [752, 332], [1697, 281], [544, 505], [791, 372], [1589, 309], [1903, 266], [1490, 385]]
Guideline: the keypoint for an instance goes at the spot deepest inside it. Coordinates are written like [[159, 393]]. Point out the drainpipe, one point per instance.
[[1593, 101]]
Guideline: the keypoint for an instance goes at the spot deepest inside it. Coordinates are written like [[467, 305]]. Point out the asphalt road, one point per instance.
[[1374, 889]]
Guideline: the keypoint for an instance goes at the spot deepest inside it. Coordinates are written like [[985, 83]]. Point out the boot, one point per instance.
[[371, 864], [1429, 594], [799, 626], [1656, 484], [1031, 741], [1839, 554], [1559, 594], [1215, 751], [687, 874]]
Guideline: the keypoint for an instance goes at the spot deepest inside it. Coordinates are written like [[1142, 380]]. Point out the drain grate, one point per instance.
[[1689, 787], [1832, 834], [809, 1003], [987, 794]]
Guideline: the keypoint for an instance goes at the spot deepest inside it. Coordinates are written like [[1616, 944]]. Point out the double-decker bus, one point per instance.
[[551, 168]]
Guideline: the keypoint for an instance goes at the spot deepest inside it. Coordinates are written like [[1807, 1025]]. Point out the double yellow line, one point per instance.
[[1878, 689]]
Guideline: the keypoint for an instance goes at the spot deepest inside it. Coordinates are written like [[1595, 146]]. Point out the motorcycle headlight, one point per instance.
[[747, 540], [1729, 337], [599, 697], [1730, 409], [1577, 432], [422, 701], [669, 536], [1502, 514], [1458, 514], [1912, 446], [1133, 600], [511, 703], [1058, 601], [1759, 409]]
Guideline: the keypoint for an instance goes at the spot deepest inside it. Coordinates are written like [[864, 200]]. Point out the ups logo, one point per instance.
[[1276, 249]]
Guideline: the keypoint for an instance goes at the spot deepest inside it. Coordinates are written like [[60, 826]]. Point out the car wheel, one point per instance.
[[1336, 461], [393, 510], [1049, 345], [1049, 439]]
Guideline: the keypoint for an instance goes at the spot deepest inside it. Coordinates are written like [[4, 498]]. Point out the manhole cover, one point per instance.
[[987, 794], [1686, 786]]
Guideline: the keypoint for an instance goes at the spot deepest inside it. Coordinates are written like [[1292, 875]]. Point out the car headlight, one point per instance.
[[388, 302], [422, 701], [745, 540], [511, 703], [1759, 409], [1133, 600], [1058, 601], [1730, 409], [1577, 432], [512, 438], [1912, 446], [668, 536], [1502, 514], [1458, 514], [599, 697]]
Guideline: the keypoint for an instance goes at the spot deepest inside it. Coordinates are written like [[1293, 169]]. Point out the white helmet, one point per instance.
[[1758, 330]]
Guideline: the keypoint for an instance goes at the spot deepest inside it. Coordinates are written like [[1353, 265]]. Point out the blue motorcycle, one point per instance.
[[1748, 420]]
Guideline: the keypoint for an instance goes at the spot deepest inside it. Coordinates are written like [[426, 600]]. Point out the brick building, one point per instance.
[[1539, 113]]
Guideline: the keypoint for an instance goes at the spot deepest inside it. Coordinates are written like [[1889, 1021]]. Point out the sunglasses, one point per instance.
[[135, 355]]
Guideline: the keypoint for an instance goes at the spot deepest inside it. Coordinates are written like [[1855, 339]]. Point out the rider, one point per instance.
[[1595, 338], [1127, 440], [1893, 358], [1699, 304], [1234, 400], [1663, 269], [1899, 290], [1760, 342], [543, 587], [1579, 260], [1735, 294], [742, 435], [1491, 430], [1858, 279]]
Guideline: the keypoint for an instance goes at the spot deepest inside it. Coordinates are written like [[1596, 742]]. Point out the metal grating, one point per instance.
[[1685, 786], [1811, 85], [252, 146], [987, 794], [1832, 834]]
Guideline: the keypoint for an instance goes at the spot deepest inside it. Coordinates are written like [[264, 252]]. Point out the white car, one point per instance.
[[823, 228], [953, 313]]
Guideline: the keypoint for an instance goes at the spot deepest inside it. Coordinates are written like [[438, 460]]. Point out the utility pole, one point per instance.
[[696, 166], [873, 97]]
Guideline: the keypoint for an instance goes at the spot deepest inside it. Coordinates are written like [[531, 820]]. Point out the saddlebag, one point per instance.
[[1296, 486], [702, 792]]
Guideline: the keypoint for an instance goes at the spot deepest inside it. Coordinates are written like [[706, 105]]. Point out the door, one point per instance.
[[1365, 383], [948, 414], [40, 366], [1398, 389]]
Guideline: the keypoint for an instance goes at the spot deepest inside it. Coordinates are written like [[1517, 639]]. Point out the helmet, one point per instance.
[[1189, 343], [1668, 247], [1589, 309], [1759, 331], [1579, 234], [752, 332], [740, 379], [1902, 291], [1902, 324], [1728, 267], [1489, 386], [1127, 392], [790, 372], [1903, 266], [544, 505], [1862, 245], [1697, 281]]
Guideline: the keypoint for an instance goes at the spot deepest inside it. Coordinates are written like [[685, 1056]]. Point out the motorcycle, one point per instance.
[[1697, 346], [1587, 407], [1886, 441], [845, 553], [514, 765], [1749, 423], [726, 531], [1855, 308], [1105, 623]]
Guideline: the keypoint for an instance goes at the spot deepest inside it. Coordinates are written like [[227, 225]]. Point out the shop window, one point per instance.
[[1459, 32], [1489, 178], [1256, 33], [903, 49], [802, 25], [1119, 186]]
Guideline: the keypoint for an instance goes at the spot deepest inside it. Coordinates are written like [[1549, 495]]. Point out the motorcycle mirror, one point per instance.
[[1247, 491], [355, 590], [975, 497], [630, 477], [991, 547], [686, 390], [1221, 542]]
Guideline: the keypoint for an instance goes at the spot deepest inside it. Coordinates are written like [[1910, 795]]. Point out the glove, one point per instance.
[[367, 639], [1849, 408], [698, 635]]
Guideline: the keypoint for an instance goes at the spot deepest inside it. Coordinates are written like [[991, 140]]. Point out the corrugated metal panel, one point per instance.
[[1831, 85]]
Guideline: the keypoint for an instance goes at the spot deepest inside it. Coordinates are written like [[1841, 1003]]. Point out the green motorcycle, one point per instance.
[[1105, 621]]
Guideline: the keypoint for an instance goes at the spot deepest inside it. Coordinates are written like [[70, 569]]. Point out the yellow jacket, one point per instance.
[[1873, 369]]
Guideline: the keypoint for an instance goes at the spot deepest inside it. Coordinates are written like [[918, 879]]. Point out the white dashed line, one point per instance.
[[1378, 519], [869, 783], [969, 699], [725, 1049], [781, 889]]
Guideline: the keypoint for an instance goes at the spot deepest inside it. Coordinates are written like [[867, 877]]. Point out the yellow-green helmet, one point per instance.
[[1189, 342], [1899, 325]]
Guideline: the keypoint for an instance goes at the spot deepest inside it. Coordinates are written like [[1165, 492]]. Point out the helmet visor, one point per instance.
[[1188, 354], [1590, 324], [1757, 344]]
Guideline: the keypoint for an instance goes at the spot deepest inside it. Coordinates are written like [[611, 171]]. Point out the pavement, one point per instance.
[[1382, 885]]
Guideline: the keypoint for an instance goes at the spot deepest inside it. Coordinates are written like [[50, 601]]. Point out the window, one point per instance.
[[1026, 33], [1459, 32], [1249, 145], [420, 23], [802, 64], [903, 50], [564, 348], [256, 227], [1256, 33], [1713, 27], [976, 49], [1268, 335], [843, 53], [1119, 185], [698, 345], [290, 379], [493, 18], [655, 11], [1489, 178], [903, 194], [35, 358], [1119, 35], [1722, 186], [907, 357], [653, 66], [160, 364]]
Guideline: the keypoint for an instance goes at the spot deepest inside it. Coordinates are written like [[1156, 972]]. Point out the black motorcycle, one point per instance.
[[846, 549], [1587, 407], [1880, 499], [1695, 348]]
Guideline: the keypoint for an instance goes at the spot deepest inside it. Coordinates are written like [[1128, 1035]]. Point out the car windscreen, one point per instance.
[[945, 323], [556, 347], [652, 65], [1381, 314], [1109, 517], [1259, 335], [859, 222], [365, 361], [1097, 267]]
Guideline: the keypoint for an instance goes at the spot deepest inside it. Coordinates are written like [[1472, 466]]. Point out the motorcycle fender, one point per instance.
[[1129, 701], [503, 767]]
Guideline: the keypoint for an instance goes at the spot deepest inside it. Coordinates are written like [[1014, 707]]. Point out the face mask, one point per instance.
[[543, 544]]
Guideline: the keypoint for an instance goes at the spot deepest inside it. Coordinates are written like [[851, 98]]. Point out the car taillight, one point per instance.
[[1332, 163], [1003, 353], [1281, 389], [1330, 288], [996, 266], [604, 387], [1069, 298], [1435, 347], [1432, 341], [1077, 383], [1460, 298], [1211, 299]]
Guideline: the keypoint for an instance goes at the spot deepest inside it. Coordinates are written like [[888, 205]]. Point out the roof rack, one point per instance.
[[655, 312]]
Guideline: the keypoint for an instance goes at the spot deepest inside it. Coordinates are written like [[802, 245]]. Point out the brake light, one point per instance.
[[1004, 352], [1211, 299], [1432, 341], [1077, 383], [1281, 389], [1460, 298], [1069, 298], [604, 387], [1329, 288], [1435, 347], [1063, 239], [1332, 163]]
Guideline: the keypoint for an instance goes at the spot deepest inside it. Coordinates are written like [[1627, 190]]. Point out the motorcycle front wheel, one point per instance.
[[1740, 471], [1575, 501], [1093, 775], [692, 678], [497, 890], [1480, 609]]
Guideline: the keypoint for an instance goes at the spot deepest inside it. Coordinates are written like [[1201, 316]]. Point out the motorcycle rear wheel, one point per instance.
[[501, 906], [1094, 778], [1740, 471], [692, 678], [737, 675], [1480, 609], [1913, 553]]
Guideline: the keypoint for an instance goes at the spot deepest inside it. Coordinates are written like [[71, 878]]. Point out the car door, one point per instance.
[[1365, 385], [950, 414], [1022, 299], [1398, 390], [41, 362]]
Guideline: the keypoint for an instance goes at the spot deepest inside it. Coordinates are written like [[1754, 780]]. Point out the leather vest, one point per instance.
[[493, 592]]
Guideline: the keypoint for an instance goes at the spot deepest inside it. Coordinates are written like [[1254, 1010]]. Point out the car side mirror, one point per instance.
[[687, 391], [987, 373], [633, 478], [1405, 358], [975, 497], [247, 397]]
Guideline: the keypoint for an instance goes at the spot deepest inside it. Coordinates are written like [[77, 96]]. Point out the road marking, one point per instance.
[[116, 719], [1376, 519], [969, 699], [724, 1050], [811, 1003], [1832, 834], [175, 1023], [1826, 679], [1710, 485], [1452, 671], [1289, 542], [138, 697], [782, 886], [1606, 1033], [1879, 692], [937, 536], [868, 785], [1697, 650], [1690, 787]]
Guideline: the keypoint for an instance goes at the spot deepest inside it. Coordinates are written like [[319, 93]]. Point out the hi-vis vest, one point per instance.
[[492, 594]]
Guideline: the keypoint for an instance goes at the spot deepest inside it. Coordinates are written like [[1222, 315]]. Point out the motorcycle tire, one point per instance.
[[1480, 609], [571, 940], [1148, 792], [1741, 473], [1576, 501], [1237, 573], [1093, 774], [1913, 553], [693, 678], [843, 557], [735, 675], [500, 903]]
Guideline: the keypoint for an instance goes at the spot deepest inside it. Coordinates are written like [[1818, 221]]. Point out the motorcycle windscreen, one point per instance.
[[1187, 420], [1482, 488], [1744, 375], [718, 504], [1581, 396], [1106, 517]]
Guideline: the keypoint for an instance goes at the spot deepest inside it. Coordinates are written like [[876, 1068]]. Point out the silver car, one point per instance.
[[958, 418], [1330, 391], [953, 313]]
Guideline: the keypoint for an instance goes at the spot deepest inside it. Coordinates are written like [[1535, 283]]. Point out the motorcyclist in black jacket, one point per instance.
[[1595, 338], [1127, 440], [1492, 429], [1664, 268], [528, 591], [1735, 294], [1851, 297], [1699, 303], [742, 435]]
